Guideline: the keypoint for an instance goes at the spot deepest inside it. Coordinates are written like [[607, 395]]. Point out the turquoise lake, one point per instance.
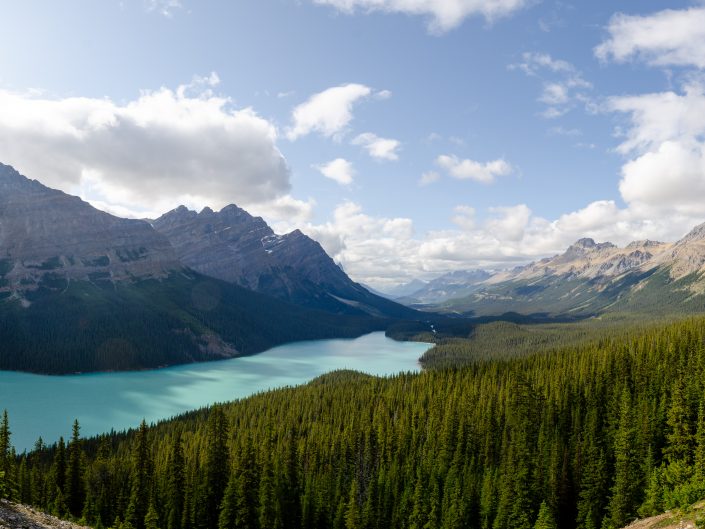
[[47, 405]]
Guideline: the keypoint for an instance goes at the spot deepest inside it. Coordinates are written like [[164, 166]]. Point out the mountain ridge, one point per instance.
[[83, 290], [234, 246]]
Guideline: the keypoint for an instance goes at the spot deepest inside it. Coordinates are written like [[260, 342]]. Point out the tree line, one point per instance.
[[587, 437]]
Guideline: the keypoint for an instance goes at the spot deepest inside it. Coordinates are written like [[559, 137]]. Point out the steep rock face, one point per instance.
[[234, 246], [686, 256], [47, 236]]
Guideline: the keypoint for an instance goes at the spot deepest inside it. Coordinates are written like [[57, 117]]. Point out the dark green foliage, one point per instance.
[[94, 326], [176, 484], [586, 437], [75, 488]]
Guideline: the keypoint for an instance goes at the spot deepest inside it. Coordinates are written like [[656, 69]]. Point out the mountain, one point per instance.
[[403, 290], [82, 290], [236, 247], [49, 238], [455, 284], [589, 278]]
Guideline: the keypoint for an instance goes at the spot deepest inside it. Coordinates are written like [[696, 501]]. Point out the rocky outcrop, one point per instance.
[[49, 237], [17, 516]]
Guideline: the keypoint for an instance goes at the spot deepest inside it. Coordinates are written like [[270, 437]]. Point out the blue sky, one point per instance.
[[410, 137]]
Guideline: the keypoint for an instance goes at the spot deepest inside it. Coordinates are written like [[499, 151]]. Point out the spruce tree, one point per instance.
[[627, 480], [353, 513], [59, 468], [239, 509], [217, 465], [545, 519], [151, 519], [7, 483], [75, 486], [141, 480], [175, 484]]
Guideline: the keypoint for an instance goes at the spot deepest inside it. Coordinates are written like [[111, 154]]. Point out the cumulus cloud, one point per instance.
[[383, 251], [339, 170], [328, 112], [163, 148], [378, 148], [466, 169], [444, 14], [664, 144], [667, 38]]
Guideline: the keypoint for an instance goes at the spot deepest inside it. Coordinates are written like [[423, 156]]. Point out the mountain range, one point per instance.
[[83, 290], [590, 278], [236, 247]]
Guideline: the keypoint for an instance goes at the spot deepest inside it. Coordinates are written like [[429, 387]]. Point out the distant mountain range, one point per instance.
[[590, 278], [448, 286], [82, 290]]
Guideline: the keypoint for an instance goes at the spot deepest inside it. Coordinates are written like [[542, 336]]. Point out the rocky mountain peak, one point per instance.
[[646, 243], [49, 236], [696, 234], [587, 243]]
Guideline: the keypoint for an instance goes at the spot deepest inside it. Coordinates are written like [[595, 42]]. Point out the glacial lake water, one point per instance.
[[47, 405]]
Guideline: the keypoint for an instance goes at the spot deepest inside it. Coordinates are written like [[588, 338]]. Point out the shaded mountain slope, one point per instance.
[[234, 246], [82, 290]]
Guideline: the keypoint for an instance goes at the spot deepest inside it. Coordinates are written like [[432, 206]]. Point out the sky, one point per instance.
[[409, 137]]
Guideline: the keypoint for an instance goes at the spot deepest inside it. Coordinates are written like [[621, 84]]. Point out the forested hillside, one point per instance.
[[587, 437], [187, 317]]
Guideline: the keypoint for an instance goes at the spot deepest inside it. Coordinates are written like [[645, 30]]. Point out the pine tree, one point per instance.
[[217, 466], [5, 444], [269, 515], [75, 486], [353, 513], [679, 438], [7, 485], [545, 519], [699, 462], [140, 490], [151, 519], [239, 509], [59, 468], [290, 492], [175, 484], [627, 481]]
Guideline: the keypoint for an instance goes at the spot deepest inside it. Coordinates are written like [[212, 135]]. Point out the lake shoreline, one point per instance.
[[46, 405]]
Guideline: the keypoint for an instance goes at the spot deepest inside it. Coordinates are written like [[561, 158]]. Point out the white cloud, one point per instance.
[[328, 112], [464, 217], [163, 148], [378, 148], [554, 94], [383, 251], [562, 131], [564, 87], [665, 144], [444, 14], [472, 170], [667, 38], [429, 177], [339, 170], [164, 7], [533, 62]]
